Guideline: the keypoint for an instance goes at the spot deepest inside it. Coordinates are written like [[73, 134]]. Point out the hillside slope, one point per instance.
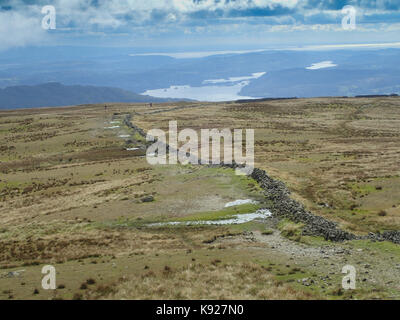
[[55, 94]]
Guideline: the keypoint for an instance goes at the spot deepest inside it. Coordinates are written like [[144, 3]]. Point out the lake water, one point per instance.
[[321, 65], [210, 91]]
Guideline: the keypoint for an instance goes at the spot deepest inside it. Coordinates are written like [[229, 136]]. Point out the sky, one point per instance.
[[158, 25]]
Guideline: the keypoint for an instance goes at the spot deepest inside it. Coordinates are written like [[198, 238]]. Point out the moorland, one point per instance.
[[76, 192]]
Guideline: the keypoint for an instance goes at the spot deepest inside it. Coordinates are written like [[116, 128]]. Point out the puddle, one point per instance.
[[112, 127], [124, 136], [132, 149], [239, 202], [238, 219]]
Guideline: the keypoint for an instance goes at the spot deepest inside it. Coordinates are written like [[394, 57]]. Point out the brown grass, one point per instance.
[[70, 195], [228, 281]]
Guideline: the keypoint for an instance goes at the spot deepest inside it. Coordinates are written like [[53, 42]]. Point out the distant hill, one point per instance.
[[339, 81], [55, 94]]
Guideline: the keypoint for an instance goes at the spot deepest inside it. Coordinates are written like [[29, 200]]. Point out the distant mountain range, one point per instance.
[[339, 81], [285, 73], [55, 94]]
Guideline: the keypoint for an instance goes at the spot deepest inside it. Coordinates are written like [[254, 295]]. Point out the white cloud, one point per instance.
[[150, 19], [19, 30]]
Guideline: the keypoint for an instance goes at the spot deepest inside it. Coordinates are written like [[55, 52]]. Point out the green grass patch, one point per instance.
[[384, 246], [225, 213], [291, 230], [315, 241], [138, 138], [362, 189], [250, 226]]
